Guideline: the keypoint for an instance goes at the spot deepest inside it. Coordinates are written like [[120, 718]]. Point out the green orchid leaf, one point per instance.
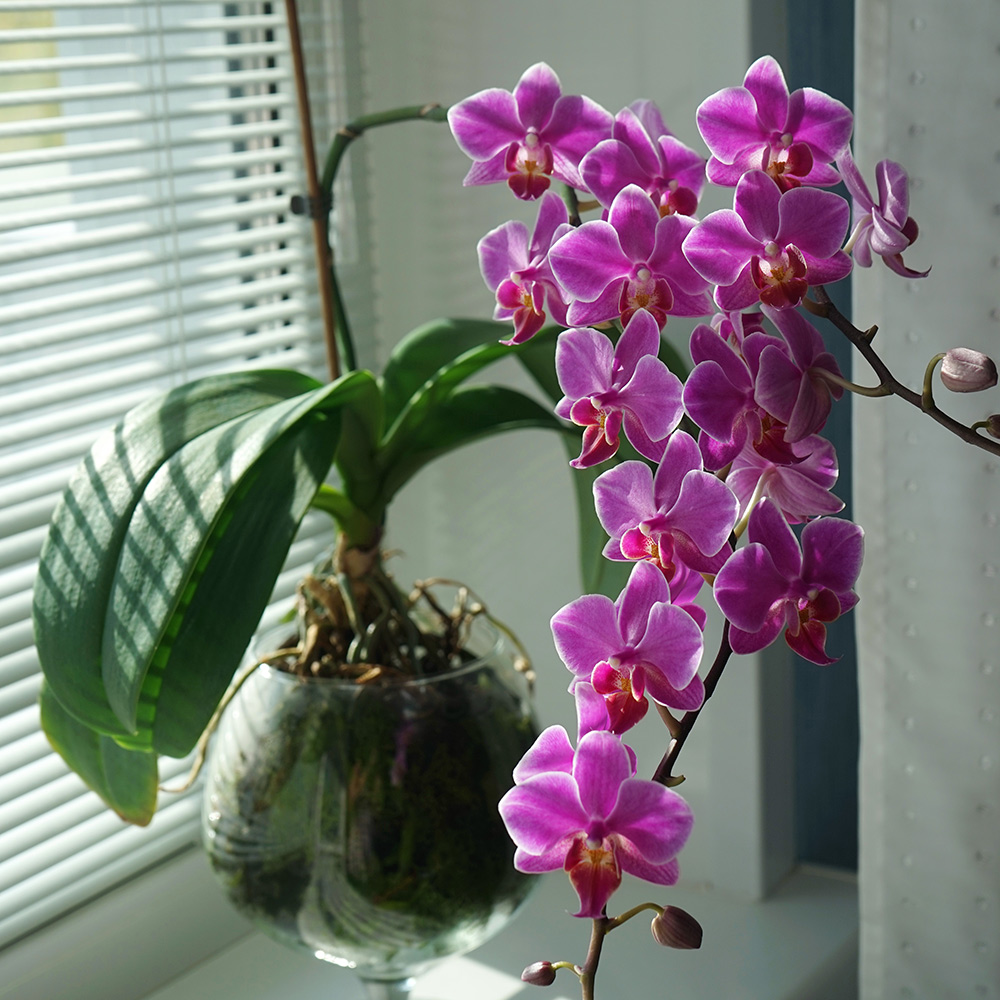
[[673, 359], [538, 358], [598, 574], [464, 416], [79, 558], [361, 419], [231, 583], [125, 779], [200, 556], [424, 401], [428, 349]]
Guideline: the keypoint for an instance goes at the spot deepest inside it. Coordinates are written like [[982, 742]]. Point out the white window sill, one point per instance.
[[799, 944]]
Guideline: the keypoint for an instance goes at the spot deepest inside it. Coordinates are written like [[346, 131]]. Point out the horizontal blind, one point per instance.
[[149, 149]]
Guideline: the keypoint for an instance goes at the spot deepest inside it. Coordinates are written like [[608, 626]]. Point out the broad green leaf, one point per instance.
[[357, 460], [425, 399], [424, 351], [199, 507], [598, 574], [467, 414], [79, 558], [538, 357], [673, 359], [233, 580], [354, 522], [125, 779]]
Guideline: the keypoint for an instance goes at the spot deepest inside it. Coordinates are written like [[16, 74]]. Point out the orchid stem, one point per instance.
[[664, 771], [629, 914], [862, 340], [588, 971], [323, 204], [927, 395], [861, 390], [572, 204], [741, 526]]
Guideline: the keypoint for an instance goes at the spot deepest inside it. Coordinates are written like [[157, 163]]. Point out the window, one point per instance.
[[149, 150]]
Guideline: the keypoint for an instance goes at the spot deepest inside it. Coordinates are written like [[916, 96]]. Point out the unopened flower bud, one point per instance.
[[993, 425], [539, 974], [966, 370], [676, 928]]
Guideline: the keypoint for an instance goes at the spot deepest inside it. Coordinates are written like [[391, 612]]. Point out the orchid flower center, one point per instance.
[[529, 166], [643, 291], [788, 161], [780, 274], [516, 294], [671, 198], [617, 682]]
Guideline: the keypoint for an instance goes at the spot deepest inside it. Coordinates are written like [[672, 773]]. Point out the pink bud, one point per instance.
[[966, 370], [676, 928], [539, 974], [993, 425]]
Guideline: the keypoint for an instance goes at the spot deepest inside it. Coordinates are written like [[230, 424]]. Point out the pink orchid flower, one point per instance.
[[586, 812], [610, 387], [760, 126], [643, 151], [641, 643], [632, 262], [516, 269], [681, 517], [529, 136], [771, 246], [885, 228], [790, 384], [774, 585]]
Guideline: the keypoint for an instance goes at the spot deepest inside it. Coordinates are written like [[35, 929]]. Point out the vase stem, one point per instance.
[[385, 989]]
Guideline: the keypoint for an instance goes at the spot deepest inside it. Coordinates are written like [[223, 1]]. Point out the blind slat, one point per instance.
[[113, 60], [120, 30]]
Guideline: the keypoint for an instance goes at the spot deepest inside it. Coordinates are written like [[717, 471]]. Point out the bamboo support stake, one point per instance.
[[318, 207]]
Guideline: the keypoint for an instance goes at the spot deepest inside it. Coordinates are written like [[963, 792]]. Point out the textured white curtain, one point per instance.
[[928, 83]]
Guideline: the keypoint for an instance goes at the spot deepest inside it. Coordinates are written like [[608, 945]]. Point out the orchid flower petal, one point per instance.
[[586, 632]]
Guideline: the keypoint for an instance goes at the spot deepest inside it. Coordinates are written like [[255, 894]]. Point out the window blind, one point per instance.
[[149, 149]]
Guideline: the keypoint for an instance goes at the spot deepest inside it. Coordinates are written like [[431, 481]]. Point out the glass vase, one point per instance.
[[358, 821]]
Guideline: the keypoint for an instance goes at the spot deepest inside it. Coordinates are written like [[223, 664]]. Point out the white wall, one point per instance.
[[500, 515], [928, 83]]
